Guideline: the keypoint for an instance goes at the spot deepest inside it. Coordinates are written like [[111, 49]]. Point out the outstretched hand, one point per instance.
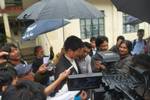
[[83, 95], [42, 69], [64, 74]]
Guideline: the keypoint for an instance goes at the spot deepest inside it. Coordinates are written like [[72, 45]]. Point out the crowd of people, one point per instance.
[[22, 81]]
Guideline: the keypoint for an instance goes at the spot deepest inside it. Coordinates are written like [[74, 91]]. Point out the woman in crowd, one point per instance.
[[125, 62]]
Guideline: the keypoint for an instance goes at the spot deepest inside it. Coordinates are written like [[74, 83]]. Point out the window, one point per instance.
[[128, 28], [92, 27]]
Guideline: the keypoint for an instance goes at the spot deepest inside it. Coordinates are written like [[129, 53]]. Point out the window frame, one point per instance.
[[128, 28], [84, 26]]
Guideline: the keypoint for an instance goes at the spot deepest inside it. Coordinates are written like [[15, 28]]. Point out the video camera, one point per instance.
[[84, 81], [106, 58]]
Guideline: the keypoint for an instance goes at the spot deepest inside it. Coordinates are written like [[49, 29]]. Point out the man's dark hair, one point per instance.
[[92, 39], [140, 31], [25, 90], [7, 47], [73, 43], [100, 40], [120, 37], [142, 60], [7, 74], [88, 45]]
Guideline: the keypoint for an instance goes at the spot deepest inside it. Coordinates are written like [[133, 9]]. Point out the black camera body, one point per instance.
[[107, 58], [84, 81]]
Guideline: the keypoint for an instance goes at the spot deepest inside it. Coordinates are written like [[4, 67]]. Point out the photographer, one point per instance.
[[14, 59], [102, 45], [38, 61], [24, 70]]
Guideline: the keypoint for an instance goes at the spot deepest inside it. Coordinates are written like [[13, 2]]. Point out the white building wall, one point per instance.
[[56, 37], [113, 27]]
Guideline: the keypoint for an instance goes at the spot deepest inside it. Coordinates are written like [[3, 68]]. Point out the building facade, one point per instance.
[[111, 25]]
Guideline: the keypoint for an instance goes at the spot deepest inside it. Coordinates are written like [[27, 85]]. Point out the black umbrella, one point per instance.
[[42, 26], [136, 8], [62, 9], [132, 20]]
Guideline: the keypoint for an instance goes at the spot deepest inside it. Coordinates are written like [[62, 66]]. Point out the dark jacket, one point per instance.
[[37, 62], [61, 66], [41, 78], [124, 64], [94, 58]]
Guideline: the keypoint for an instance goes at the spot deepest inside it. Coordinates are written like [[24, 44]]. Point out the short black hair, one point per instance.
[[100, 40], [73, 43], [87, 44], [25, 90], [140, 31], [142, 60], [7, 74], [120, 37], [92, 39], [7, 47]]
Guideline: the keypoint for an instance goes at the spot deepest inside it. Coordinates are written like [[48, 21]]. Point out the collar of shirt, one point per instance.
[[72, 61], [94, 49]]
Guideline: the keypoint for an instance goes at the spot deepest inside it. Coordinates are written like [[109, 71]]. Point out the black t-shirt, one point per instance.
[[37, 62], [41, 78]]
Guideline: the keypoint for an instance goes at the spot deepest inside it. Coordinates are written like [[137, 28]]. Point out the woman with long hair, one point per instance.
[[125, 62]]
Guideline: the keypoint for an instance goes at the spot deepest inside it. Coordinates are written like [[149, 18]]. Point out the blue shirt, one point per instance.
[[139, 47], [77, 98]]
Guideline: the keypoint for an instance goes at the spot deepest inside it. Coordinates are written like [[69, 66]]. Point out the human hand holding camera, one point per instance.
[[42, 69], [3, 57], [99, 65]]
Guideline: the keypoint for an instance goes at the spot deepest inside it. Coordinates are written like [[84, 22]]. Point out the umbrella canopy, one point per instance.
[[136, 8], [43, 26], [133, 20], [60, 9]]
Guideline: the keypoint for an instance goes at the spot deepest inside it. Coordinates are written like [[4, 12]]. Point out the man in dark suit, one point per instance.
[[73, 49]]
